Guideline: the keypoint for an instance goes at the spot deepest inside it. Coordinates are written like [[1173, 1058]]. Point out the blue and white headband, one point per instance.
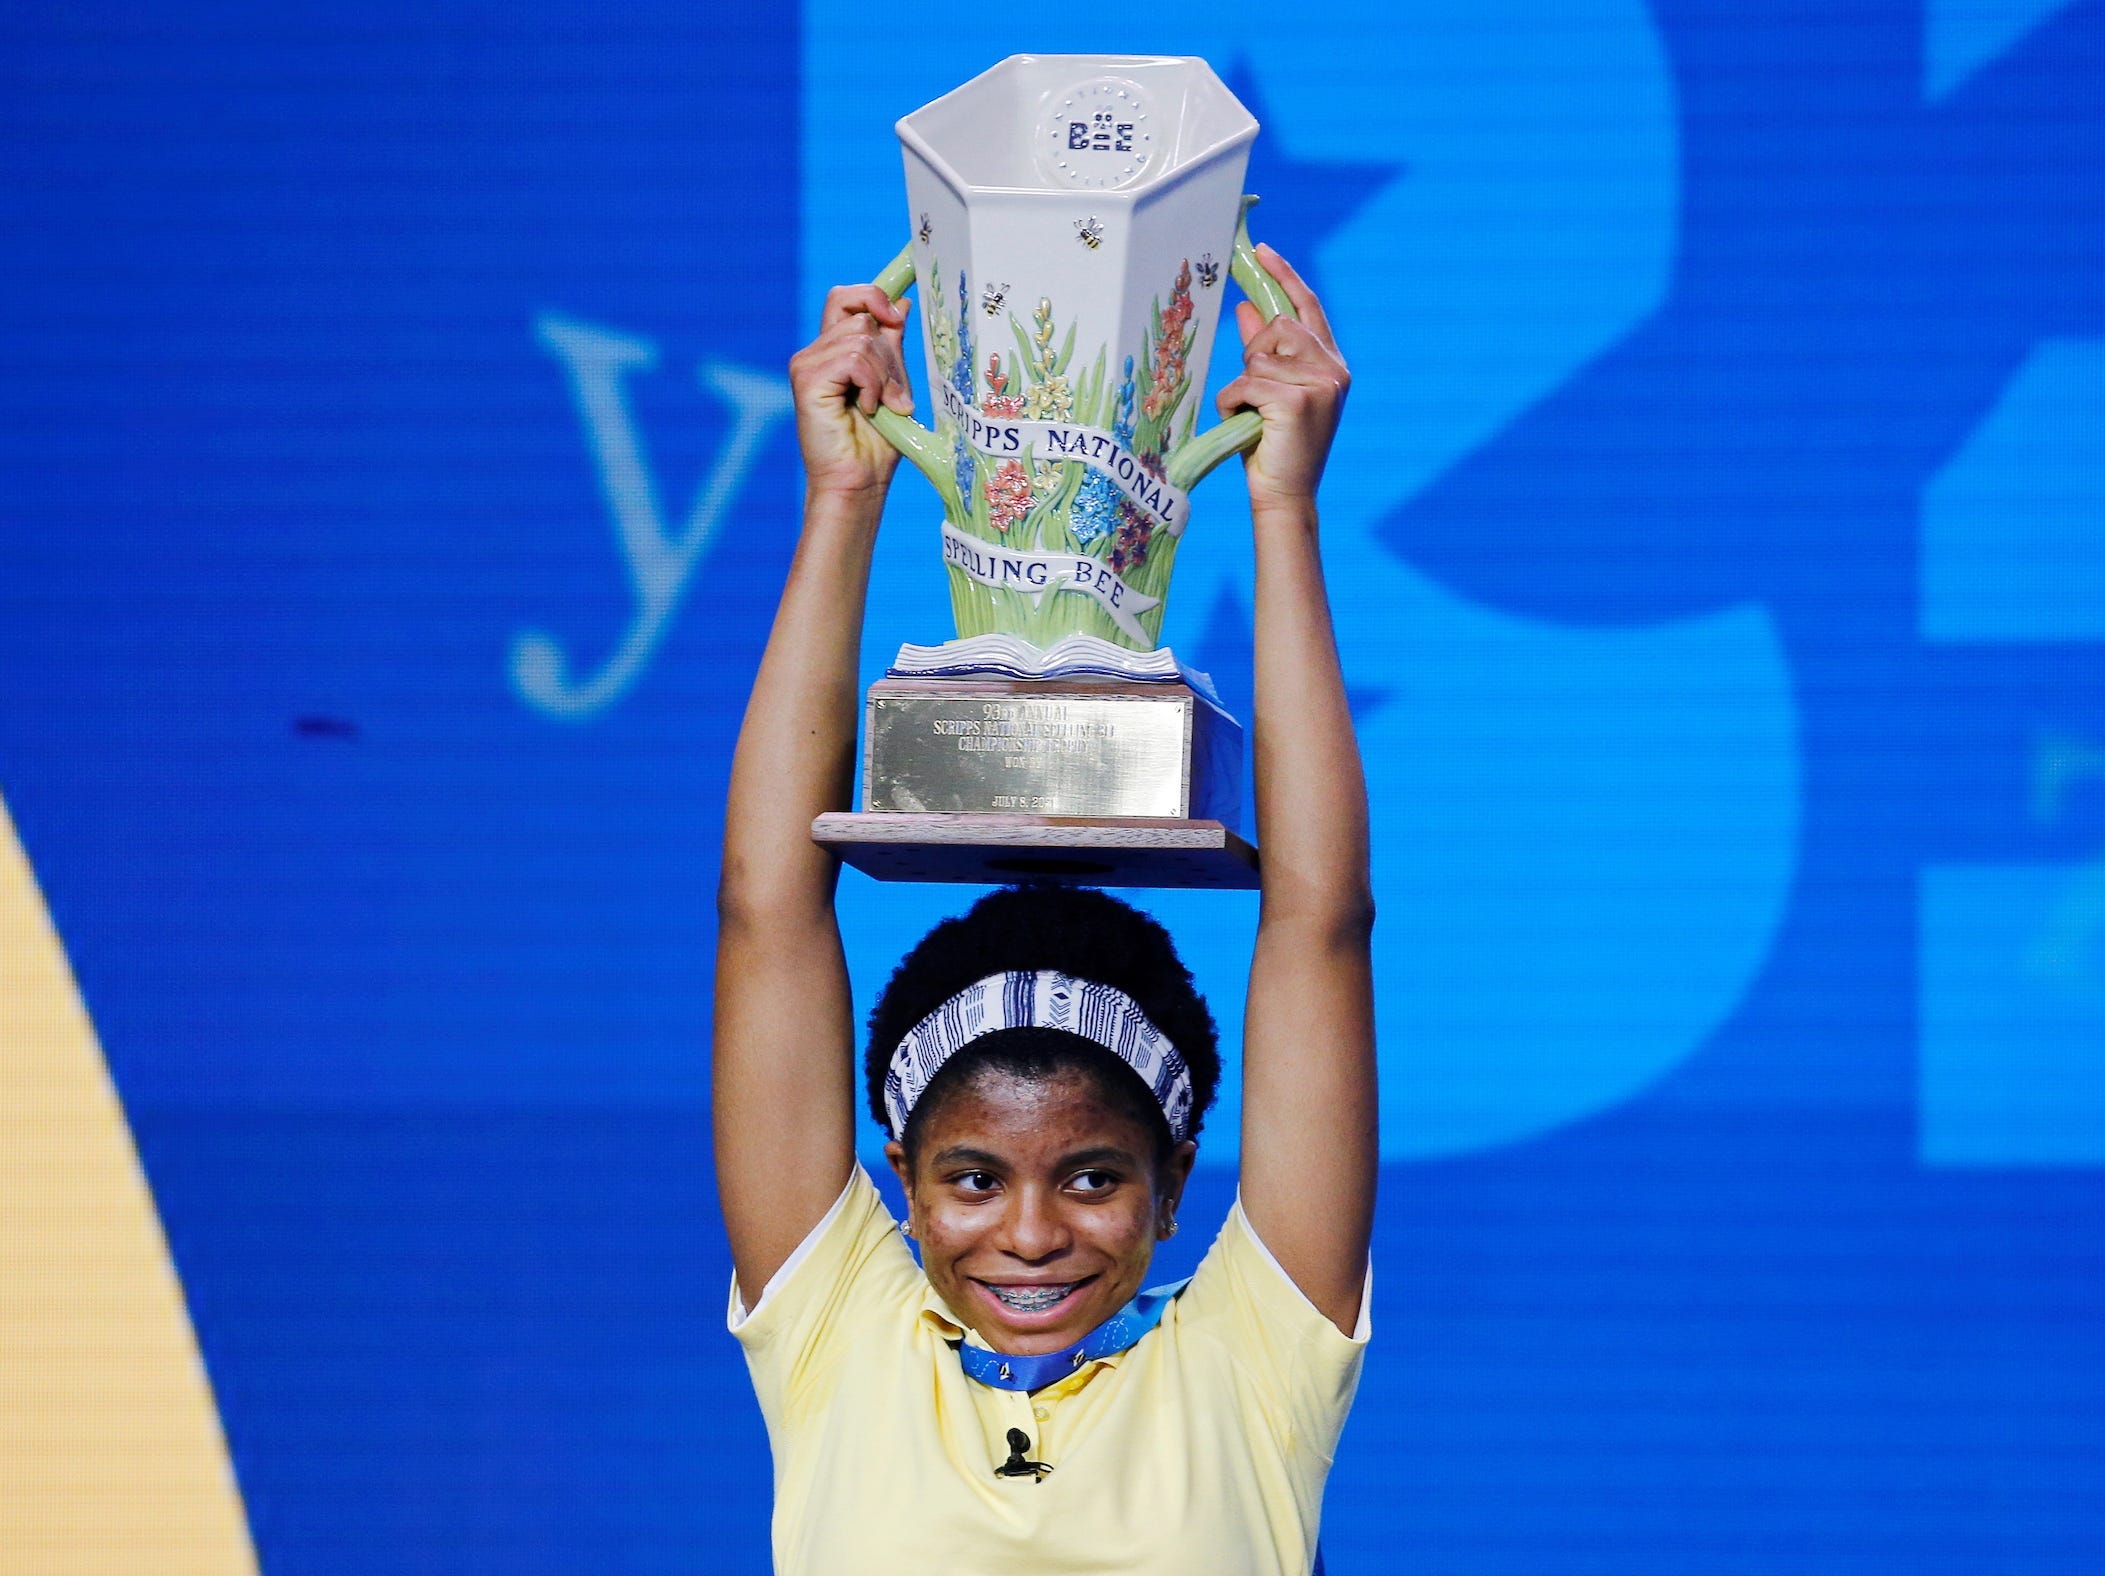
[[1040, 999]]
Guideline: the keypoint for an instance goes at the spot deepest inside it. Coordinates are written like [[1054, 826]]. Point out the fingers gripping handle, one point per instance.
[[1199, 454], [904, 433]]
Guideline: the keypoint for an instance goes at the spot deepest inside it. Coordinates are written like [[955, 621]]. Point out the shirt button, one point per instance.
[[1043, 1412]]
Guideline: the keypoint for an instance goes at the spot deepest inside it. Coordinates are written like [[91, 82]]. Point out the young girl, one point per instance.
[[1015, 1402]]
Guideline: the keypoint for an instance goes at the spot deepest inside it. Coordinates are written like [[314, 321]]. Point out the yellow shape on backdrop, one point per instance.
[[111, 1454]]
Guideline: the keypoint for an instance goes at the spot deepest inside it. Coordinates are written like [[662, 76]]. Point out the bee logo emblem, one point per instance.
[[1209, 272], [927, 229], [1089, 232], [991, 298]]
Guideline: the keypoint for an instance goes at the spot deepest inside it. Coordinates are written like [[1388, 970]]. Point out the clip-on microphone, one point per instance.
[[1016, 1465]]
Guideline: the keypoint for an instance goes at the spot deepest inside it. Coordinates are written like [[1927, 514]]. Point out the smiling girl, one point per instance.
[[1016, 1402]]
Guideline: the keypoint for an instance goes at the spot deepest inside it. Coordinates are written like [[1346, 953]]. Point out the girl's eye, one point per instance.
[[1093, 1181], [976, 1181]]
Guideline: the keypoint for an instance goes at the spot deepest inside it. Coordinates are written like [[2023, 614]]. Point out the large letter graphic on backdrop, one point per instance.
[[2013, 956], [111, 1457], [1959, 37], [1584, 837], [659, 563]]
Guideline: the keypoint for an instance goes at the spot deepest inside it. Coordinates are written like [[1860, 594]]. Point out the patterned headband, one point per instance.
[[1044, 999]]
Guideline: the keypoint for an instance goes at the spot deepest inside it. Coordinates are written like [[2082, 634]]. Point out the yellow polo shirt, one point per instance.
[[1202, 1449]]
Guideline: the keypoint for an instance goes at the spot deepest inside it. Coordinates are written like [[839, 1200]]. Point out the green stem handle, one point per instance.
[[1193, 459], [904, 433], [1199, 454]]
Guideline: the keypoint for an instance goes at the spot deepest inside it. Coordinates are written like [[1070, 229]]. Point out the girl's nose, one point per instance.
[[1036, 1228]]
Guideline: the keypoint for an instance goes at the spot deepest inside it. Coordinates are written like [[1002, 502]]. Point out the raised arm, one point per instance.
[[1309, 1088], [782, 1079]]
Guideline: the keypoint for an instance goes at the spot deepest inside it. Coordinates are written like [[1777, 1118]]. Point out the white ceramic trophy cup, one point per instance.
[[1074, 218]]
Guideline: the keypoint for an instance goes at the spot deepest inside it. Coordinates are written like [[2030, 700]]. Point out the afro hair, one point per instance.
[[1077, 930]]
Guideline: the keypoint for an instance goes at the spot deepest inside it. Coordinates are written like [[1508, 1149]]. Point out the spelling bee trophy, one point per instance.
[[1073, 217]]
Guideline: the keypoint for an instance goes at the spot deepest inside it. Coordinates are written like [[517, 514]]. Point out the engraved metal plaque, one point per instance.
[[950, 746]]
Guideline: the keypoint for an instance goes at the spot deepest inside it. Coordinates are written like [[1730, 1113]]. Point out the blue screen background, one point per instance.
[[394, 486]]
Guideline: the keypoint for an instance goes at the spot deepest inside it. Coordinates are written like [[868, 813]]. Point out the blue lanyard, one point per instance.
[[1004, 1371]]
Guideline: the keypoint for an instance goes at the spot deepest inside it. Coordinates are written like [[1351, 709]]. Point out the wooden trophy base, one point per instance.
[[1073, 850]]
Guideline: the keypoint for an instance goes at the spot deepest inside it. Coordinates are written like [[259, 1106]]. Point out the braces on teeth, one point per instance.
[[1030, 1299]]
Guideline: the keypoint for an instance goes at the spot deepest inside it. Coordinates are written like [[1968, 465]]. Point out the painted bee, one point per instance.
[[927, 229], [1209, 271], [1089, 232], [991, 298]]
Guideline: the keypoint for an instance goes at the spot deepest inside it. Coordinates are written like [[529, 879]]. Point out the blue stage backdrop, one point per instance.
[[397, 483]]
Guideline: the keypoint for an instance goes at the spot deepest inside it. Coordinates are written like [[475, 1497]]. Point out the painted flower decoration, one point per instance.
[[944, 339], [1052, 400], [1178, 313], [1122, 423], [1129, 548], [1008, 494], [1094, 512], [961, 371], [1041, 346], [999, 401], [1167, 375]]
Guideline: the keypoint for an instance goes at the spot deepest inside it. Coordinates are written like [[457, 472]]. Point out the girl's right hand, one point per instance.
[[838, 381]]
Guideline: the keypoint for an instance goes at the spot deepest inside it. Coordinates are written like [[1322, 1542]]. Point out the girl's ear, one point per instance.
[[902, 1168], [1176, 1171]]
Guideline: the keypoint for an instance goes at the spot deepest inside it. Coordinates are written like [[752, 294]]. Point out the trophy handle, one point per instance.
[[1201, 452], [904, 433]]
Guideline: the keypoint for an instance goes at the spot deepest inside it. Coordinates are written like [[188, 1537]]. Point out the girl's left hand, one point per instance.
[[1294, 377]]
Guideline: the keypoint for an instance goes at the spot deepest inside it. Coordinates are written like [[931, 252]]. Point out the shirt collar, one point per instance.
[[937, 1316]]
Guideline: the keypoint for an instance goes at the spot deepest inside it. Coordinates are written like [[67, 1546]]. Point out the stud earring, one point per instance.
[[1170, 1230], [906, 1228]]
